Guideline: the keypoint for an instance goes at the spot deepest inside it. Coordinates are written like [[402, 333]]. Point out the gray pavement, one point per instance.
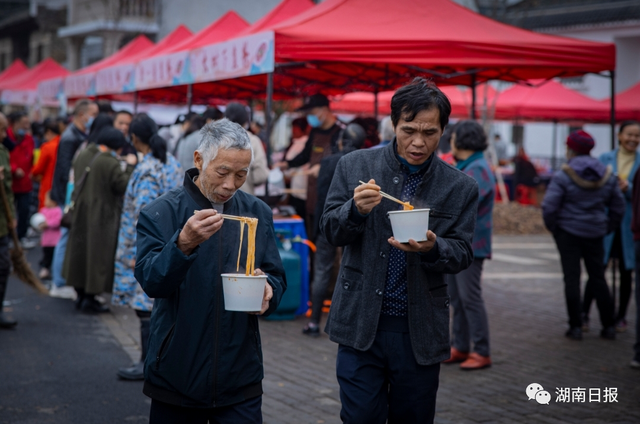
[[524, 294]]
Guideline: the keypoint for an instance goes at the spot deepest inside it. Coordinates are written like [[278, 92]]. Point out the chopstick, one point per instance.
[[383, 194], [225, 216]]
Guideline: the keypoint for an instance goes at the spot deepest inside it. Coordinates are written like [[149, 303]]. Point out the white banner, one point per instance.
[[19, 97], [163, 71], [81, 85], [116, 79], [235, 58], [49, 91]]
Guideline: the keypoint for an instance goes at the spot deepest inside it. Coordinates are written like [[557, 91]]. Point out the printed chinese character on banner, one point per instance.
[[594, 395]]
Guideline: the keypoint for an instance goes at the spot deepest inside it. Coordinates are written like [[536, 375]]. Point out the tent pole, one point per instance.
[[554, 145], [189, 97], [375, 104], [612, 75], [473, 97], [268, 112], [135, 102]]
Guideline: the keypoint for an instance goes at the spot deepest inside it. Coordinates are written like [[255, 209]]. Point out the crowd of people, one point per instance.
[[116, 195]]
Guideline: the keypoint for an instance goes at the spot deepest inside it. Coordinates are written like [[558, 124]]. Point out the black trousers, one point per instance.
[[47, 256], [247, 412], [23, 207], [385, 382], [625, 282], [573, 248]]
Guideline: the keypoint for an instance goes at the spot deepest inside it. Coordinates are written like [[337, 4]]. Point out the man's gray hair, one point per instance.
[[222, 134], [82, 106]]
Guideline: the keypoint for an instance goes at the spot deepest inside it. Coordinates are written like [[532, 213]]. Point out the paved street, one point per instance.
[[59, 366]]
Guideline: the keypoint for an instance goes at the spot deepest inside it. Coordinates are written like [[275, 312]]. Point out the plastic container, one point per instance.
[[410, 225], [290, 301], [37, 219], [243, 293]]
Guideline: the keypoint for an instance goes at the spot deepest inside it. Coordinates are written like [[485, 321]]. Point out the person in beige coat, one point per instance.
[[259, 171]]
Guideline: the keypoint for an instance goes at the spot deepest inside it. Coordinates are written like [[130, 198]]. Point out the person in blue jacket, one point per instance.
[[619, 244], [204, 362]]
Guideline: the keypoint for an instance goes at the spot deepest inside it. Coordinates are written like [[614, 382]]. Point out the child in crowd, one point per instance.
[[50, 234]]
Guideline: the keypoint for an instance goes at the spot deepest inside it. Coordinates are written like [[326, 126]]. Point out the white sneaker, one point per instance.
[[64, 292]]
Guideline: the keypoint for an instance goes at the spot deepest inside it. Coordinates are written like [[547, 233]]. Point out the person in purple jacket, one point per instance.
[[583, 203], [470, 323]]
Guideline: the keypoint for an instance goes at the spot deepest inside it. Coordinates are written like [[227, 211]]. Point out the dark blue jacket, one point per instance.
[[583, 199], [201, 355]]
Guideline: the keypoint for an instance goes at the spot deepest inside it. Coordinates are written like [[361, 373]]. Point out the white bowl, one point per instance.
[[243, 293], [37, 219], [410, 225]]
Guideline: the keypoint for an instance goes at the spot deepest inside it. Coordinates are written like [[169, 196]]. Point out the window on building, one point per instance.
[[40, 53]]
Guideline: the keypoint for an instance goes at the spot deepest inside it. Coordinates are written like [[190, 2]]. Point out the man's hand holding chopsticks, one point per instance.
[[198, 229]]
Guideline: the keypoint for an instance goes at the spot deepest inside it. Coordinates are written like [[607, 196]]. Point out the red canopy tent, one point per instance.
[[340, 46], [627, 104], [227, 26], [202, 93], [363, 103], [118, 75], [82, 82], [22, 89], [550, 102], [16, 68]]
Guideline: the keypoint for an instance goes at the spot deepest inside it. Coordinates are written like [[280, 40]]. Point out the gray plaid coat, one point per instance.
[[452, 197]]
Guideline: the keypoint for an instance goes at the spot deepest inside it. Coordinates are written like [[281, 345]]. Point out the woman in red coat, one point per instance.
[[21, 160]]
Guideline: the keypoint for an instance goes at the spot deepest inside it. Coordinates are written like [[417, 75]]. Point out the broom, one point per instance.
[[21, 267]]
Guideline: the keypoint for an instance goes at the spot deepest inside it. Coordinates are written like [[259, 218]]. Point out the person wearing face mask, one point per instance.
[[259, 171], [204, 362], [322, 142], [625, 161], [93, 236], [71, 139], [21, 159]]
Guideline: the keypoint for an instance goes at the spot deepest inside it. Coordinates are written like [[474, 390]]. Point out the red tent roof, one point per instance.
[[227, 26], [340, 46], [131, 49], [16, 68], [286, 9], [29, 80], [380, 43], [362, 103], [178, 35], [628, 104], [549, 102]]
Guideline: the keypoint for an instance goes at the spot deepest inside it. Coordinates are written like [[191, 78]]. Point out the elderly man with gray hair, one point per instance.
[[204, 362]]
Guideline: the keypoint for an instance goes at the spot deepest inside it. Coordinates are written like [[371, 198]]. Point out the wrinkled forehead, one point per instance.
[[232, 160]]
